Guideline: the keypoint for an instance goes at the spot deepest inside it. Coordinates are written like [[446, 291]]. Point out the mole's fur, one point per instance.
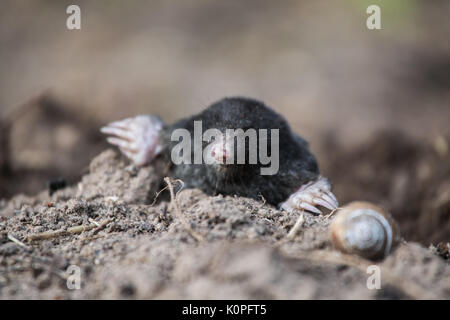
[[297, 165]]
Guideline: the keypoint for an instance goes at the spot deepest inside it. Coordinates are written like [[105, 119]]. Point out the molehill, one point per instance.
[[188, 246]]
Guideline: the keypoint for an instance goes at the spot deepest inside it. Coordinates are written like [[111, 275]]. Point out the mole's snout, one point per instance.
[[221, 152]]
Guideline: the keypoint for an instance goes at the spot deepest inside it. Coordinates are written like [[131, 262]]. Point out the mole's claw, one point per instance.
[[331, 200], [334, 198], [121, 133], [122, 124], [309, 207], [323, 203], [310, 195], [137, 138]]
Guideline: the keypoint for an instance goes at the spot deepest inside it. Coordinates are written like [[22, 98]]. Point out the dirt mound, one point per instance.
[[128, 248]]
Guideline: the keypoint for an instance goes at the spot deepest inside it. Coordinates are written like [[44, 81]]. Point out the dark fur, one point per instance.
[[297, 164]]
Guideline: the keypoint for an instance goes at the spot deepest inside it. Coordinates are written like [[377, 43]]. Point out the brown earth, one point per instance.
[[239, 248]]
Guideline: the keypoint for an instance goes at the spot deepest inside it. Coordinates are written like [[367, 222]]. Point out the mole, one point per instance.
[[295, 185]]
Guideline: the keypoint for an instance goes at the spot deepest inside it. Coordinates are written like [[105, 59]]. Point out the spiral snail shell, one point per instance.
[[364, 229]]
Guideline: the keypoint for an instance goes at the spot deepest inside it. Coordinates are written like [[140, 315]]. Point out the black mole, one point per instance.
[[214, 167]]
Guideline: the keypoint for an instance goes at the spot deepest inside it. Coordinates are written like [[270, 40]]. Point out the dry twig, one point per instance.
[[173, 197], [263, 199], [102, 226], [16, 241], [332, 213], [157, 195], [63, 232], [300, 222]]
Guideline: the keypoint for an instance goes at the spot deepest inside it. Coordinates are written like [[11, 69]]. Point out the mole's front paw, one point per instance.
[[310, 195], [137, 138]]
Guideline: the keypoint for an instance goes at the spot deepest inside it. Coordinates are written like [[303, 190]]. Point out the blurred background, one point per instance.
[[374, 104]]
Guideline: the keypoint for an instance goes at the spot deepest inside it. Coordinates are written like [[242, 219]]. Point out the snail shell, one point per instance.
[[364, 229]]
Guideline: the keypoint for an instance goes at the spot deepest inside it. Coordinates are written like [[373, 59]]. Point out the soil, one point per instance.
[[211, 248]]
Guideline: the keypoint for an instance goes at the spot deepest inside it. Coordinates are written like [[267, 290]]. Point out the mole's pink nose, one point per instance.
[[220, 153]]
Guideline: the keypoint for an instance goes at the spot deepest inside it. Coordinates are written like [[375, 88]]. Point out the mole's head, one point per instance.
[[239, 137]]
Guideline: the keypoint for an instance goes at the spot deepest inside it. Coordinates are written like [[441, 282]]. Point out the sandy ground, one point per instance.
[[212, 248]]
